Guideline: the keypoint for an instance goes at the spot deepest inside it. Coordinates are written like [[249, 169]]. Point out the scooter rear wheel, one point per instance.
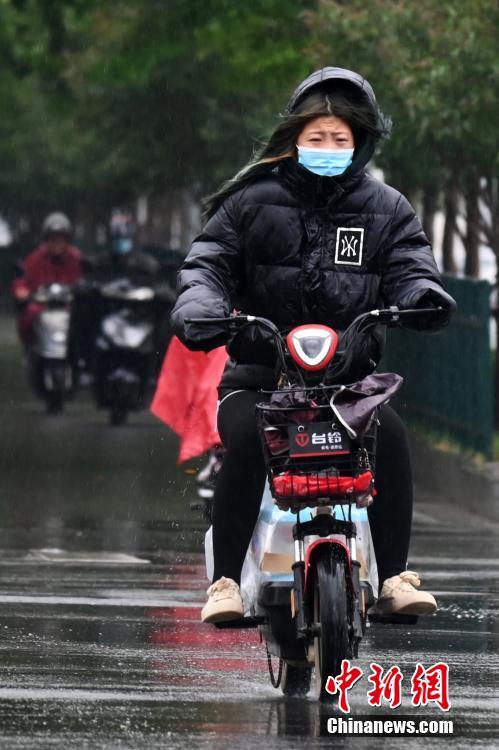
[[118, 415], [54, 398], [54, 403], [331, 616], [295, 680]]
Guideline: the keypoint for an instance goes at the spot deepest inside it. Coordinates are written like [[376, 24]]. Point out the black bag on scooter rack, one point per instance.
[[319, 443]]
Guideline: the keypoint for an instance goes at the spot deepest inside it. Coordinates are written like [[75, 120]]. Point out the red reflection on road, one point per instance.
[[226, 650]]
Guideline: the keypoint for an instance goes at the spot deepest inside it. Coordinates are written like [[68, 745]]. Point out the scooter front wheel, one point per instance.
[[330, 619], [295, 680], [54, 380], [54, 403]]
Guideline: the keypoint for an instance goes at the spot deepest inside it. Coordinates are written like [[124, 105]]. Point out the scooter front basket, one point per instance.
[[309, 456]]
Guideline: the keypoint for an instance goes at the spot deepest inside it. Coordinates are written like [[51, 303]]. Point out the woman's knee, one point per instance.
[[237, 425]]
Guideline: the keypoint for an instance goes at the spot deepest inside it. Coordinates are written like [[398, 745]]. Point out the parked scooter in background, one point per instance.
[[50, 371]]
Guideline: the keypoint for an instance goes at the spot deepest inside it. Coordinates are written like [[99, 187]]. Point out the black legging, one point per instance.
[[241, 483]]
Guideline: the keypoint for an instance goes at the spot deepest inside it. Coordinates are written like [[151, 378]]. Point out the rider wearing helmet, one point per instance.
[[55, 261], [55, 224], [123, 260]]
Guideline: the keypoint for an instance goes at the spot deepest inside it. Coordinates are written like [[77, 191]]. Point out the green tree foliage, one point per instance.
[[435, 67], [180, 89], [40, 146], [103, 101]]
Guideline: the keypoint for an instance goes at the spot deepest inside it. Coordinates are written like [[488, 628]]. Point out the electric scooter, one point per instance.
[[311, 581], [124, 357], [50, 371]]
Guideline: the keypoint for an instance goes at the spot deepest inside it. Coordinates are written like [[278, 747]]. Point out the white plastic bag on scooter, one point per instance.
[[273, 538], [251, 573]]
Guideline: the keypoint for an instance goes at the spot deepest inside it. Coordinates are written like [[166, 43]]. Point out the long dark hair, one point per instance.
[[339, 98]]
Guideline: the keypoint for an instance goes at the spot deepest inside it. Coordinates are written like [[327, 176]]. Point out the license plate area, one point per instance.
[[318, 439]]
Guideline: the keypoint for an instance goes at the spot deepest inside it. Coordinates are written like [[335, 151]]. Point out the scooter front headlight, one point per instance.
[[312, 346], [60, 337]]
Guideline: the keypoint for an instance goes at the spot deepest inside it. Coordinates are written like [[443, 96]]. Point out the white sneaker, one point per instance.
[[399, 595], [224, 602]]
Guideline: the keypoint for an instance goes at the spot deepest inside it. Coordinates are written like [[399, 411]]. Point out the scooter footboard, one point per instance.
[[279, 628]]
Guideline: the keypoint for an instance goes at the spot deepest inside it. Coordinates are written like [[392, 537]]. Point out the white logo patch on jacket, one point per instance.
[[349, 245]]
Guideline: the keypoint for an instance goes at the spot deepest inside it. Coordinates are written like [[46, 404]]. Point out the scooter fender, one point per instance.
[[311, 553], [51, 331]]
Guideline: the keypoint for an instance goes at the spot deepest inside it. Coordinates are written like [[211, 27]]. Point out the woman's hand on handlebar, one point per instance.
[[249, 339], [434, 311], [395, 317]]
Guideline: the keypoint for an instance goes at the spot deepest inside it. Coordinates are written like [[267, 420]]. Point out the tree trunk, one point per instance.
[[448, 260], [85, 224], [472, 240], [158, 227], [430, 198]]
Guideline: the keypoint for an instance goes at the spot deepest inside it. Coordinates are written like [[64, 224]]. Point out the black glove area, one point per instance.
[[203, 338], [358, 356], [253, 345], [195, 304], [432, 321]]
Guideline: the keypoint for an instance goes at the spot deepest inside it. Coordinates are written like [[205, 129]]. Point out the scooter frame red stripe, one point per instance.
[[311, 552]]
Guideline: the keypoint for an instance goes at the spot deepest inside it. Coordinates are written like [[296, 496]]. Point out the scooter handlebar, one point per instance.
[[388, 316], [391, 316]]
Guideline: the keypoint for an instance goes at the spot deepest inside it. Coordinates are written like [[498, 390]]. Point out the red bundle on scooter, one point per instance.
[[313, 486]]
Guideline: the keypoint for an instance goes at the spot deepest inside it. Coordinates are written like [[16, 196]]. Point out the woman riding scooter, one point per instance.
[[301, 235]]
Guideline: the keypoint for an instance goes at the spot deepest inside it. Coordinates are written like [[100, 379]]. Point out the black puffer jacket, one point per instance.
[[296, 248]]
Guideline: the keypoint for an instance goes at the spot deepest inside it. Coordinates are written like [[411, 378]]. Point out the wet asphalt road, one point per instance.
[[101, 580]]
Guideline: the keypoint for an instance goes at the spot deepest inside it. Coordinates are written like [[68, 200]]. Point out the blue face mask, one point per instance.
[[325, 161], [122, 245]]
